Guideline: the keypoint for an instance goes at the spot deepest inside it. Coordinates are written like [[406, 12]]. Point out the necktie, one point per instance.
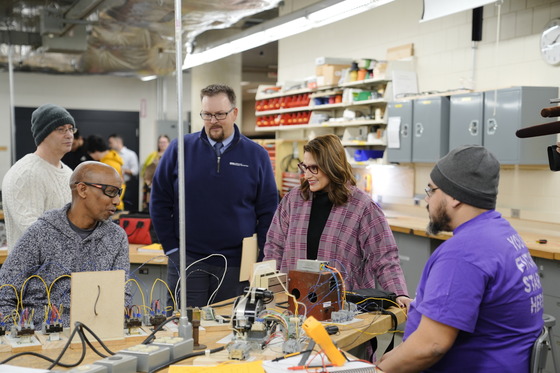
[[218, 147]]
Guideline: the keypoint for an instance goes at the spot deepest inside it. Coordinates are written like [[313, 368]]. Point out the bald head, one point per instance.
[[96, 189], [92, 171]]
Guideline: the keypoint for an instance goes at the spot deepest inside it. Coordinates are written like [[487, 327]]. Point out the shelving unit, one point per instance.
[[293, 127], [364, 100]]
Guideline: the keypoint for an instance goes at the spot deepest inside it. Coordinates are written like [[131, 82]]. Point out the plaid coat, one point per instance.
[[357, 240]]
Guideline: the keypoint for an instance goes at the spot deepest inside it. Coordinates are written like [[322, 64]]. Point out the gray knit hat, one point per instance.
[[469, 174], [46, 119]]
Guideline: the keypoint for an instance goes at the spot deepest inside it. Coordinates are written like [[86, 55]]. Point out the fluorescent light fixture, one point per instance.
[[316, 15], [440, 8], [148, 78]]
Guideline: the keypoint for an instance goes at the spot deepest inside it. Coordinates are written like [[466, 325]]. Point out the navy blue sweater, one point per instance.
[[226, 199]]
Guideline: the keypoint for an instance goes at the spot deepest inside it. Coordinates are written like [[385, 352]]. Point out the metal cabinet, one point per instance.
[[146, 275], [466, 119], [414, 252], [506, 111], [430, 139], [403, 111]]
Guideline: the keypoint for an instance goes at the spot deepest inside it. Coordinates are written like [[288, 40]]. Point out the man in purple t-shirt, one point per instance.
[[479, 304]]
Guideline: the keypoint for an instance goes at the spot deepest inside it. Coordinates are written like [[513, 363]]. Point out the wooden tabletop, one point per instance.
[[351, 335], [152, 257], [417, 226]]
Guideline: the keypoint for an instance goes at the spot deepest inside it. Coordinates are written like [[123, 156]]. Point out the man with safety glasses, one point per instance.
[[39, 181], [230, 193], [76, 238]]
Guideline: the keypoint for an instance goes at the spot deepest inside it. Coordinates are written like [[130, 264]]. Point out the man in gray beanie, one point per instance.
[[479, 303], [39, 181]]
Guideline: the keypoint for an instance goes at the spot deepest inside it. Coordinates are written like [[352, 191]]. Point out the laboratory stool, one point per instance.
[[541, 346]]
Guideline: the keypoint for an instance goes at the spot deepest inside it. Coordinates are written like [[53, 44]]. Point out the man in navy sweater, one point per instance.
[[230, 193]]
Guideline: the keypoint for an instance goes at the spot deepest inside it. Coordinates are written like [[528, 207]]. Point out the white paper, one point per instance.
[[393, 132], [404, 82]]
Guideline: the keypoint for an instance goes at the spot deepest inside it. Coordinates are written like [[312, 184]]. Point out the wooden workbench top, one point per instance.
[[138, 257], [417, 226]]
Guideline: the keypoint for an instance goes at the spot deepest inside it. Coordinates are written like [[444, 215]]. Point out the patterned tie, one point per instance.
[[218, 147]]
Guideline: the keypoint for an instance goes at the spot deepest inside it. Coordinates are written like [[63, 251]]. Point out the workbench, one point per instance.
[[350, 335]]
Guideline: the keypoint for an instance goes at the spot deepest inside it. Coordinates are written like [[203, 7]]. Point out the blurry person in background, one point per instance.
[[149, 169], [77, 154], [130, 170]]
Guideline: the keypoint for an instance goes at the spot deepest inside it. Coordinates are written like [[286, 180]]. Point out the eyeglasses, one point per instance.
[[430, 191], [219, 116], [62, 130], [314, 169], [110, 191]]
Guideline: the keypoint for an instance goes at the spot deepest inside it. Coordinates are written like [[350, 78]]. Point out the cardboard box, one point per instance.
[[329, 74]]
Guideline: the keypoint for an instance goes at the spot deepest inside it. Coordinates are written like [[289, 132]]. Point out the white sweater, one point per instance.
[[31, 187]]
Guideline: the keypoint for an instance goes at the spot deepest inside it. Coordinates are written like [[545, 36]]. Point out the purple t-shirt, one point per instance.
[[483, 282]]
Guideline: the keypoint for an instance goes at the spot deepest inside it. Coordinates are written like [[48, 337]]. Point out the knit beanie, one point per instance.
[[469, 174], [46, 119]]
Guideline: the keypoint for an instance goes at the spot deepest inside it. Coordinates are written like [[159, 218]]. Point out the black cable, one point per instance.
[[98, 339], [290, 355], [150, 337], [188, 356], [343, 354], [91, 346], [77, 329], [31, 353]]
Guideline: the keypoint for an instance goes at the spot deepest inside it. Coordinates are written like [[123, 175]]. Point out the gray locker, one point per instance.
[[414, 252], [466, 119], [431, 129], [403, 110], [506, 111]]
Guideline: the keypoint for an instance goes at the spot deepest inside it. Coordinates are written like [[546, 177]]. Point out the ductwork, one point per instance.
[[124, 37]]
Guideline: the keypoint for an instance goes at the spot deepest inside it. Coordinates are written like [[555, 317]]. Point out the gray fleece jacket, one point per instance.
[[50, 249]]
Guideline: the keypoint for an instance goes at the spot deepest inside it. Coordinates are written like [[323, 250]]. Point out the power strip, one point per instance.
[[90, 368], [178, 347], [119, 363], [149, 356]]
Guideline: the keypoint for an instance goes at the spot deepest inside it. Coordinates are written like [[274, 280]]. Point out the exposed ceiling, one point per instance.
[[122, 37]]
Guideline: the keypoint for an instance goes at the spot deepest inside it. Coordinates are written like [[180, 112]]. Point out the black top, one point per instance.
[[73, 159], [320, 210]]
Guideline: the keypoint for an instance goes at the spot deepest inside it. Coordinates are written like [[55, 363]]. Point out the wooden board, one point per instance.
[[400, 52], [248, 257], [98, 302]]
